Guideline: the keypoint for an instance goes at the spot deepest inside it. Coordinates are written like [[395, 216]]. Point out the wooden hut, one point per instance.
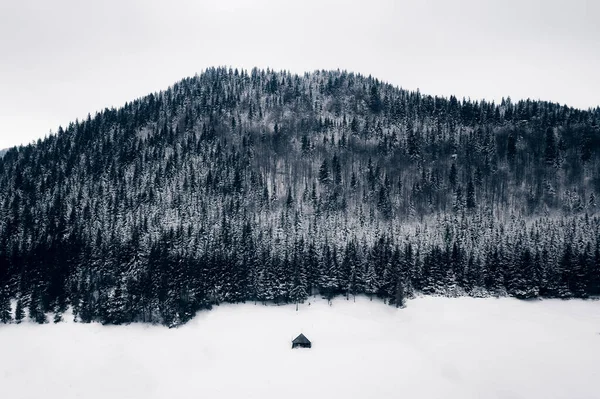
[[301, 342]]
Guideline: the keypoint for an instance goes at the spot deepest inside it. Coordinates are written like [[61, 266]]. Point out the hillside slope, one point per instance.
[[262, 185]]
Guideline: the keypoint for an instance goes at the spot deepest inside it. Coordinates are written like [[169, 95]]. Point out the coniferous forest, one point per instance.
[[265, 186]]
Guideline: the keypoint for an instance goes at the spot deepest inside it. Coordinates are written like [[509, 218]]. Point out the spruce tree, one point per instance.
[[19, 311], [5, 310]]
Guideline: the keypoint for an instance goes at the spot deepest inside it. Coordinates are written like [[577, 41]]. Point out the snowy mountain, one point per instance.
[[267, 186]]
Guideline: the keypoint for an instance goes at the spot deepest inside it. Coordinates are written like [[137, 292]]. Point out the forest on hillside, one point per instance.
[[265, 186]]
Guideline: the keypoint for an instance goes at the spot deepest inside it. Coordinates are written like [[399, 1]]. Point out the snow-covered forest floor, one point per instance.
[[434, 348]]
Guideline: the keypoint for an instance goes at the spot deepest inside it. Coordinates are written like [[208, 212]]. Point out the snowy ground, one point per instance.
[[435, 348]]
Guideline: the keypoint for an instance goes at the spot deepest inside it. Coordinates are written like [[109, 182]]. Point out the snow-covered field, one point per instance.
[[435, 348]]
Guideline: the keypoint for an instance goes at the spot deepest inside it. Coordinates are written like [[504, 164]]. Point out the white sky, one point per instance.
[[61, 59]]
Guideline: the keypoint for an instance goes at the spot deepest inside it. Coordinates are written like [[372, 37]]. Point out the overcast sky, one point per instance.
[[63, 59]]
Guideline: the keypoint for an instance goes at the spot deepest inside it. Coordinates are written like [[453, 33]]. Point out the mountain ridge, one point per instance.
[[593, 109]]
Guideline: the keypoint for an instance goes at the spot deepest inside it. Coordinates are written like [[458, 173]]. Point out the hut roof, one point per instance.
[[301, 339]]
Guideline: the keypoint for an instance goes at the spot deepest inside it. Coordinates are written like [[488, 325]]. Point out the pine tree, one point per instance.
[[19, 311], [399, 294], [36, 311], [594, 284], [324, 173], [371, 282], [337, 170], [550, 152], [458, 205], [453, 176], [375, 100], [470, 195], [5, 311]]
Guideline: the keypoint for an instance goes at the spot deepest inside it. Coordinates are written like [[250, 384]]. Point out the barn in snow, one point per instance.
[[301, 342]]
